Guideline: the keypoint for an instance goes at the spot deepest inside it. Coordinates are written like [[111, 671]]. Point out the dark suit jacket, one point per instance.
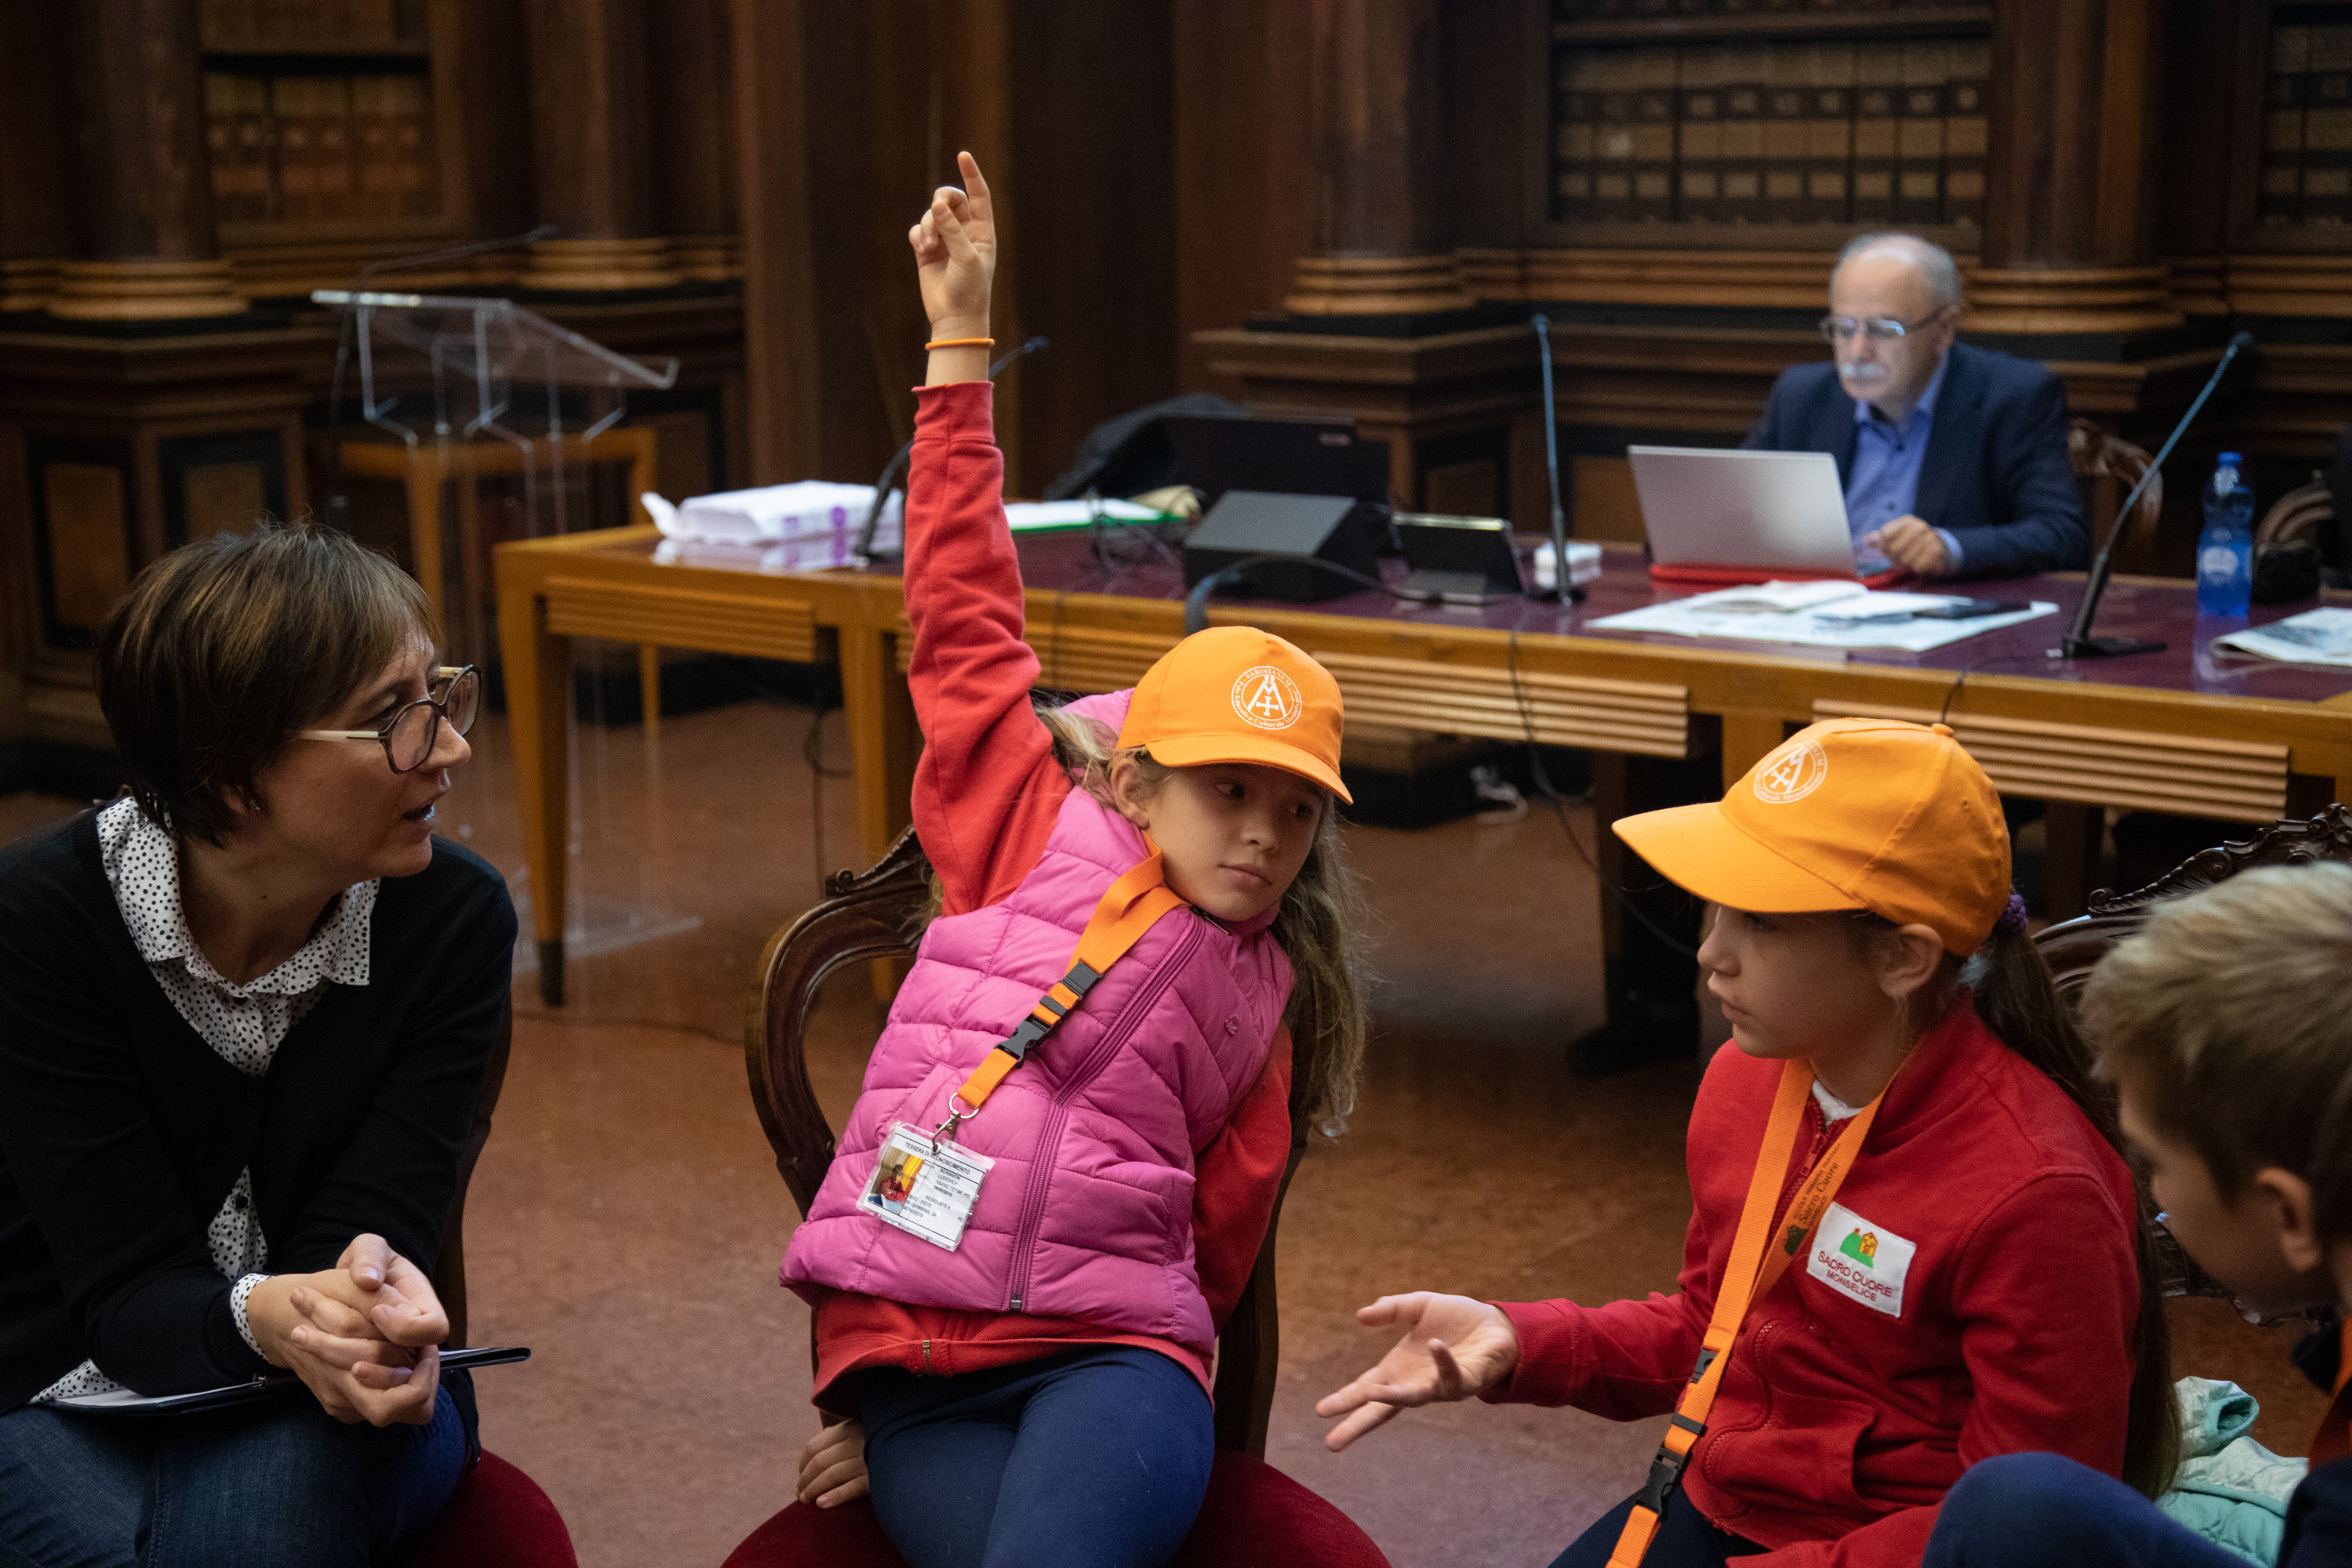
[[1995, 472]]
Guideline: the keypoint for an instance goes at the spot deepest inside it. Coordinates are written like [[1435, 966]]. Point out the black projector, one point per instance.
[[1290, 532]]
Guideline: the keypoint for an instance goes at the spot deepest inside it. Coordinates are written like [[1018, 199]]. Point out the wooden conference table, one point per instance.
[[2181, 731]]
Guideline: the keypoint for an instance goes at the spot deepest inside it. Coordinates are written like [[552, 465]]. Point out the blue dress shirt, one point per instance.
[[1885, 481]]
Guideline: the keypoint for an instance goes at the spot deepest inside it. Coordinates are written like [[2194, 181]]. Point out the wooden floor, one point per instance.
[[627, 1218]]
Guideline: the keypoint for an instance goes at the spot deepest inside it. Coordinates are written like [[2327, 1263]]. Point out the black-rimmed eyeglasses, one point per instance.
[[453, 698]]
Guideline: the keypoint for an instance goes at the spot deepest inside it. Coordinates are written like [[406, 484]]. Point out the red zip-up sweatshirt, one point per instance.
[[1971, 1291], [987, 790]]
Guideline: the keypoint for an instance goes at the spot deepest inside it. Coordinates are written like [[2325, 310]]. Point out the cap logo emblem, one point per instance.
[[1791, 774], [1266, 698]]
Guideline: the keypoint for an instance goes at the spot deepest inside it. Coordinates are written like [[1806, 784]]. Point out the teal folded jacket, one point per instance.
[[2230, 1488]]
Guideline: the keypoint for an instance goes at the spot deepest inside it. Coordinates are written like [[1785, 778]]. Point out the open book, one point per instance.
[[122, 1402]]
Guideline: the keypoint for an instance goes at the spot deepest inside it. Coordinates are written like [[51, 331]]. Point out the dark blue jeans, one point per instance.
[[275, 1483], [1684, 1539], [2018, 1511], [1097, 1459]]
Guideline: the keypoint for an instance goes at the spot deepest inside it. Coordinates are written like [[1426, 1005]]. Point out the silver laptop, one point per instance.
[[1774, 511]]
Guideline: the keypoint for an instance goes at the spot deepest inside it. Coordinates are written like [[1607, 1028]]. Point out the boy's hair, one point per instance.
[[2228, 1012], [1321, 926], [224, 649]]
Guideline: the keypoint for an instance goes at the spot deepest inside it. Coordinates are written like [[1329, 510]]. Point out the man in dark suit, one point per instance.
[[1953, 458]]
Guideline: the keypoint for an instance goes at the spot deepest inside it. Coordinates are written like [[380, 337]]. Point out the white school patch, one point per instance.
[[1857, 1259]]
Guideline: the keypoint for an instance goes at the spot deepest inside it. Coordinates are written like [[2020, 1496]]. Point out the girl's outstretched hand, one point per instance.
[[1452, 1347], [955, 255]]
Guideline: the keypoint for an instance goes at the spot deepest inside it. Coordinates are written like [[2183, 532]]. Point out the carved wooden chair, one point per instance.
[[2073, 947], [498, 1514], [2116, 464], [1252, 1512]]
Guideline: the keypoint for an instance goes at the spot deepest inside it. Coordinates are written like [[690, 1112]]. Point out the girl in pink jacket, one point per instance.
[[1074, 1128]]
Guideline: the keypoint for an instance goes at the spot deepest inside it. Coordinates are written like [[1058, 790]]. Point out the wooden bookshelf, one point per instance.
[[331, 120], [1751, 125]]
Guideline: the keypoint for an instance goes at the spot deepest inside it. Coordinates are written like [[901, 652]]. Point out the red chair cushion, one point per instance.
[[1253, 1514], [498, 1514]]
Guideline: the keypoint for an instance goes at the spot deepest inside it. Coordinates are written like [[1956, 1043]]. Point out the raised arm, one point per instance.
[[985, 785]]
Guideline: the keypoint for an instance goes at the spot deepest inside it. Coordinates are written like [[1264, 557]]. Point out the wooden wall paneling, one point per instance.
[[2206, 96], [591, 144], [220, 481], [1241, 151], [85, 533], [692, 125], [772, 75], [1492, 115], [1092, 121], [36, 153]]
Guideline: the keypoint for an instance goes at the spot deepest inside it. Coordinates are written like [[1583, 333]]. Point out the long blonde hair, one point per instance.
[[1320, 926]]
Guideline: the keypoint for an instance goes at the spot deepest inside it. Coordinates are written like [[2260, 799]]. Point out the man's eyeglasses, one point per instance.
[[1877, 329], [454, 698]]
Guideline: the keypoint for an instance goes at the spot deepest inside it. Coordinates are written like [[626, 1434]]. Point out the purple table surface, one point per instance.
[[2158, 608]]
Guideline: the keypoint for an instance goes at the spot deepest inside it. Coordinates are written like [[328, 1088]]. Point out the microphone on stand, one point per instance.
[[1562, 591], [2078, 642], [338, 502], [865, 554]]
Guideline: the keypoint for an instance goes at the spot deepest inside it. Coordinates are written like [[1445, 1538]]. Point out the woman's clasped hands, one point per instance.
[[1452, 1347], [362, 1336]]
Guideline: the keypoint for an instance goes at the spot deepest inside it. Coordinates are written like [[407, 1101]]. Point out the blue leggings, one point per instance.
[[1684, 1539], [275, 1484], [2021, 1511], [1097, 1459]]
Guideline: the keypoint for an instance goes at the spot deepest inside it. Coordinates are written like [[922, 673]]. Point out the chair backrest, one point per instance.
[[2073, 947], [874, 914], [2118, 465], [448, 1271]]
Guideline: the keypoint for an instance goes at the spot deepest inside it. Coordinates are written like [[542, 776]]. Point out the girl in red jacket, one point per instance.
[[1914, 1242], [1052, 1191]]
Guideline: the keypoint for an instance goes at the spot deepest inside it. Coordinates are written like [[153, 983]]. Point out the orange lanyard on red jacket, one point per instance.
[[2334, 1438], [1129, 907], [1754, 1268]]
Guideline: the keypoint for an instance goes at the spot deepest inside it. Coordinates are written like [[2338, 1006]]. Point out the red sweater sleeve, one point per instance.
[[987, 787], [1236, 1180], [1625, 1360]]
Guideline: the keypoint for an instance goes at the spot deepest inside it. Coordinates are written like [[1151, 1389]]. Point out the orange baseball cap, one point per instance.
[[1236, 694], [1848, 814]]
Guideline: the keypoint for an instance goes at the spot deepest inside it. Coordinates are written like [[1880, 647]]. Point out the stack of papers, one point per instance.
[[2314, 637], [1831, 614], [1041, 516], [807, 513]]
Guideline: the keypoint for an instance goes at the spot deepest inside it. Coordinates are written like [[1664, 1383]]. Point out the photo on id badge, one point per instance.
[[894, 1180], [924, 1185]]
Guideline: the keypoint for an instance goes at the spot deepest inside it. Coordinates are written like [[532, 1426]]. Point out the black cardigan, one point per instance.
[[121, 1132]]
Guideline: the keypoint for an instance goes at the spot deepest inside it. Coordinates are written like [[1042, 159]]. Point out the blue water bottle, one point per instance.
[[2225, 550]]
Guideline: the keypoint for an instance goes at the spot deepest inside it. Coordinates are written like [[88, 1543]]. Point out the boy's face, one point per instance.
[[2261, 1246]]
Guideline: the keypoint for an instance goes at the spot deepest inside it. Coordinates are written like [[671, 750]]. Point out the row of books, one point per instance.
[[234, 26], [1771, 132], [2306, 174], [300, 148], [1614, 10]]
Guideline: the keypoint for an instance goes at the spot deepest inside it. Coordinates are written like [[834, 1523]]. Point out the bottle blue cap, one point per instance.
[[2233, 459]]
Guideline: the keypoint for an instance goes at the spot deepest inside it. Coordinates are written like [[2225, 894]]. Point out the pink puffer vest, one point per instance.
[[1088, 1211]]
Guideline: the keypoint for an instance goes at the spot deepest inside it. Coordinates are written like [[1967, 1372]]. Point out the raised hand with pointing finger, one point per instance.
[[955, 262]]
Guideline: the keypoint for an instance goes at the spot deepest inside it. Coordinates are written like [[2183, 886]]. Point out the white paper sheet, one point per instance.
[[1030, 516], [2314, 637], [1704, 615]]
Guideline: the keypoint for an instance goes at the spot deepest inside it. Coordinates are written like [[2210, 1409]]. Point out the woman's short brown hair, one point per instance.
[[2228, 1011], [224, 649]]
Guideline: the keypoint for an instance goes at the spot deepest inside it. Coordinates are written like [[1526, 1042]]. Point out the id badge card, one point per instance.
[[925, 1188]]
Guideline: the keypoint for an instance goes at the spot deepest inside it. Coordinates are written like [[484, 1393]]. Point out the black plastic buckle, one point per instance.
[[1017, 1044], [1666, 1469], [1705, 1359]]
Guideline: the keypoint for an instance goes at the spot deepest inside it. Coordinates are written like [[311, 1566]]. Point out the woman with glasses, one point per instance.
[[244, 1017]]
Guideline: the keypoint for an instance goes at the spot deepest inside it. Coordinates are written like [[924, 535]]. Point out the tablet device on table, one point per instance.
[[1738, 516]]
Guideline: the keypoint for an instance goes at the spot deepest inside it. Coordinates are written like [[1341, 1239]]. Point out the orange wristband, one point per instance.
[[960, 343]]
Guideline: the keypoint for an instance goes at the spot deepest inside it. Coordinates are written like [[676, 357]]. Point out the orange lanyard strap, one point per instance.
[[1754, 1268], [1131, 906]]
